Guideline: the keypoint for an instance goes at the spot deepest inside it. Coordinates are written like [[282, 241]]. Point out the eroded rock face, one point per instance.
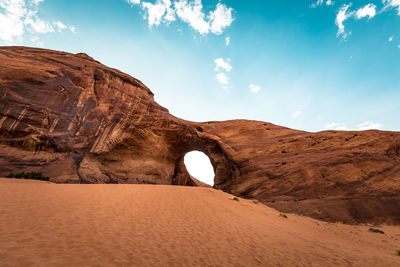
[[79, 121]]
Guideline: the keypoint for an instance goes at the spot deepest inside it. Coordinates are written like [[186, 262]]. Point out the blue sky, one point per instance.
[[309, 65]]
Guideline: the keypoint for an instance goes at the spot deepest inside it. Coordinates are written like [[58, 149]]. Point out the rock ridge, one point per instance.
[[79, 121]]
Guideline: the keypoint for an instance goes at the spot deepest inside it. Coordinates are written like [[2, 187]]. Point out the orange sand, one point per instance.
[[48, 224]]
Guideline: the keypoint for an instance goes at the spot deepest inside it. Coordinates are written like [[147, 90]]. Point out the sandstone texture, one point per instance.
[[79, 121]]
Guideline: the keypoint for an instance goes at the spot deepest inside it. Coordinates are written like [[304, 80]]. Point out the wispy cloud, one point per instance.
[[255, 88], [297, 113], [222, 67], [59, 26], [368, 125], [19, 16], [222, 78], [133, 2], [227, 41], [221, 64], [360, 127], [159, 12], [369, 11], [390, 38], [366, 11], [392, 4], [341, 16], [321, 2], [336, 126], [190, 12]]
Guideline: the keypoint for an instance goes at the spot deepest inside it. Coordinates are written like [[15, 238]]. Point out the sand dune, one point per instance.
[[47, 224]]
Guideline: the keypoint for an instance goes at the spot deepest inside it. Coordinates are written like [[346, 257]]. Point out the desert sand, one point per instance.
[[46, 224]]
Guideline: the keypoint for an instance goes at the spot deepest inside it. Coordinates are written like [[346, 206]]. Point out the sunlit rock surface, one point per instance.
[[79, 121]]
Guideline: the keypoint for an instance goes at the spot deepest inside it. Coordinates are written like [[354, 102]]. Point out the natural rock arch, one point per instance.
[[78, 121], [224, 169], [199, 167]]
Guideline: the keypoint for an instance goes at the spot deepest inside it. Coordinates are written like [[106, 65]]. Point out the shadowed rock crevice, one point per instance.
[[78, 121]]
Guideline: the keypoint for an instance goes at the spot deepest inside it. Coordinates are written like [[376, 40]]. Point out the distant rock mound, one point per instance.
[[78, 121]]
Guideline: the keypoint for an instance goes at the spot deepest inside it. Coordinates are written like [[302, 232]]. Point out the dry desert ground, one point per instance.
[[46, 224]]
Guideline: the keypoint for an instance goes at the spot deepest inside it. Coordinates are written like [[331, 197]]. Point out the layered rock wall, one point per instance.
[[79, 121]]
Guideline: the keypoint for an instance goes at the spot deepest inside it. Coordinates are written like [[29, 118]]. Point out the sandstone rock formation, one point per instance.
[[79, 121]]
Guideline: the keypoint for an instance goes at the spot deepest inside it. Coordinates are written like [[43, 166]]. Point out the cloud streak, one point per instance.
[[222, 67], [227, 41], [341, 16], [392, 4], [368, 11], [360, 127], [297, 113], [321, 2]]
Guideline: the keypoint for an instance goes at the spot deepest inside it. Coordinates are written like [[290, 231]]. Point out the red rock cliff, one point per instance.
[[79, 121]]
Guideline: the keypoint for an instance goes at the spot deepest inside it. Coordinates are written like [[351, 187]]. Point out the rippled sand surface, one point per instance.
[[45, 224]]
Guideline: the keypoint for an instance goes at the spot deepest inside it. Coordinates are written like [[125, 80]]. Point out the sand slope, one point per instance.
[[46, 224]]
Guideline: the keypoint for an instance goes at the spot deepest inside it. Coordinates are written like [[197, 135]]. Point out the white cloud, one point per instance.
[[222, 78], [133, 2], [227, 41], [254, 88], [316, 4], [37, 2], [336, 126], [18, 16], [37, 25], [222, 67], [221, 64], [192, 14], [220, 18], [72, 29], [320, 2], [297, 113], [398, 46], [158, 12], [360, 127], [331, 125], [341, 16], [392, 4], [11, 19], [368, 10], [188, 11], [368, 125], [59, 26]]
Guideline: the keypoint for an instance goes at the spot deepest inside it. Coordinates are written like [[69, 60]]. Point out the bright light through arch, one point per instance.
[[199, 166]]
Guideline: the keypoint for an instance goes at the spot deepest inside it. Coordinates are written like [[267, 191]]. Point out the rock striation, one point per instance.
[[79, 121]]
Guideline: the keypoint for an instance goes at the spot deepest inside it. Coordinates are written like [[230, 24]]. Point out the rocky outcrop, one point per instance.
[[79, 121]]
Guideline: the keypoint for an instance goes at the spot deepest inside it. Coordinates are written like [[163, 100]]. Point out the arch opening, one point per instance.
[[199, 166]]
